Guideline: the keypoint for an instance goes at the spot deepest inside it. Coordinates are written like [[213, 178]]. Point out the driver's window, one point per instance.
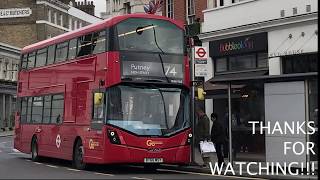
[[99, 106]]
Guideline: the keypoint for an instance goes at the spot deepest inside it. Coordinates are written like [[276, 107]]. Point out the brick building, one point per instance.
[[23, 22]]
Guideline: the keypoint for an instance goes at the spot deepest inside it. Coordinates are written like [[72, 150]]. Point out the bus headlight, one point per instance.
[[113, 137]]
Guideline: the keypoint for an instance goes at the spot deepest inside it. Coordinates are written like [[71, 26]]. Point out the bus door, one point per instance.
[[52, 122]]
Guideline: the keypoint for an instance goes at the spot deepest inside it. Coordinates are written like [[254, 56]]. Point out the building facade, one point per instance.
[[9, 63], [121, 7], [263, 68], [23, 22]]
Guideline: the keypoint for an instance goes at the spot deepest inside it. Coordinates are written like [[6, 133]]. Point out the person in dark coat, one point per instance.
[[203, 132], [218, 137]]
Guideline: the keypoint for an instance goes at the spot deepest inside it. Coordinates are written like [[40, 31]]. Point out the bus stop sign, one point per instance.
[[200, 55]]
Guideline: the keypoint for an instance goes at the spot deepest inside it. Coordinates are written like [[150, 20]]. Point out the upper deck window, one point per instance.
[[51, 52], [150, 35], [84, 45], [62, 51], [41, 57], [99, 42]]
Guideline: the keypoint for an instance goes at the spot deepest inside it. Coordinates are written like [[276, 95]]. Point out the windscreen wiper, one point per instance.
[[160, 57]]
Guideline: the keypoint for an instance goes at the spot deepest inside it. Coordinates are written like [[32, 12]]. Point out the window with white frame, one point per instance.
[[170, 9], [61, 19], [191, 12], [55, 18], [49, 15]]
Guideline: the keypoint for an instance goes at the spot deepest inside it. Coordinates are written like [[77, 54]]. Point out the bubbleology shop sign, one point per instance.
[[238, 45], [15, 12]]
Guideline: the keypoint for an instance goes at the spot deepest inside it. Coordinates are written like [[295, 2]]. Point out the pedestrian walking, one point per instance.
[[203, 133], [218, 137]]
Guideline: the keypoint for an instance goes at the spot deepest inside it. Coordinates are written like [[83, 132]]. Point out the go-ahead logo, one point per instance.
[[153, 143]]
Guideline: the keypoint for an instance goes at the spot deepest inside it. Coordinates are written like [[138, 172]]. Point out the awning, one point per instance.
[[219, 82], [257, 75]]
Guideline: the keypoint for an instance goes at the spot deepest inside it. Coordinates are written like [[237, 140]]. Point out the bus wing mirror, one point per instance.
[[98, 98], [201, 94]]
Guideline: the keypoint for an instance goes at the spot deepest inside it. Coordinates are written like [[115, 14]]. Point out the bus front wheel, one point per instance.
[[78, 153], [34, 150]]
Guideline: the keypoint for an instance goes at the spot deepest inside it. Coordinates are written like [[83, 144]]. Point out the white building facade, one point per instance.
[[121, 7], [263, 60], [9, 63]]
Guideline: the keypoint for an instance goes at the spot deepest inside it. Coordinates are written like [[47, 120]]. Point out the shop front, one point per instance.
[[242, 87]]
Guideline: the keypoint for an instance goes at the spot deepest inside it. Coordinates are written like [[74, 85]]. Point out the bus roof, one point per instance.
[[92, 28]]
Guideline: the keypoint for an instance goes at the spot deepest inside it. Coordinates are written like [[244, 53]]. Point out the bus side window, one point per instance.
[[84, 45], [99, 42], [62, 51], [99, 109], [31, 60], [47, 109], [57, 109], [41, 57], [37, 106], [23, 112], [29, 107], [51, 54], [72, 49]]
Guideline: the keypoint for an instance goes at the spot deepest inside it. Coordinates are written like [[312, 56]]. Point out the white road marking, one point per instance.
[[16, 153], [37, 163], [77, 170], [103, 174], [28, 160], [51, 166], [140, 178], [15, 150], [205, 174]]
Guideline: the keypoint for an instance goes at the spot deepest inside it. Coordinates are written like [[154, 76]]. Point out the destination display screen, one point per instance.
[[152, 68]]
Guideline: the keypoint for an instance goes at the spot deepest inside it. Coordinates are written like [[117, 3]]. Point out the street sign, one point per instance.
[[200, 53], [201, 70]]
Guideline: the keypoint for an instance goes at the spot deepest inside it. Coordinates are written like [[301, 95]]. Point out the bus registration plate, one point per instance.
[[153, 160]]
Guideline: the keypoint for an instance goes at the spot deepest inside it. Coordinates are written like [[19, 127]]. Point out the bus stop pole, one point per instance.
[[230, 124], [192, 111]]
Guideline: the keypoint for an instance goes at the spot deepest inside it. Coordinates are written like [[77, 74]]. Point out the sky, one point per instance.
[[100, 6]]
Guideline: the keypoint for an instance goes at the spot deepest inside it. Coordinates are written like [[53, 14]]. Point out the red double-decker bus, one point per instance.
[[112, 92]]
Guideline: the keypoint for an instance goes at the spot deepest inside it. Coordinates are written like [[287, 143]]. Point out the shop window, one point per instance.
[[99, 42], [262, 59], [84, 45], [41, 57], [62, 52], [247, 105], [31, 60], [57, 109], [221, 64], [51, 54], [313, 114], [37, 106], [300, 63], [238, 63]]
